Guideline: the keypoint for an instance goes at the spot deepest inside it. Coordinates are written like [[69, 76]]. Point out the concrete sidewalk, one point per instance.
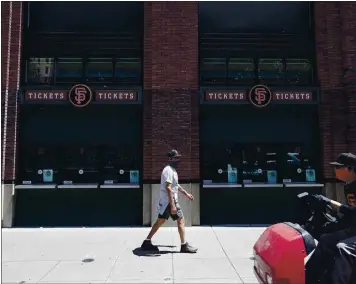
[[111, 255]]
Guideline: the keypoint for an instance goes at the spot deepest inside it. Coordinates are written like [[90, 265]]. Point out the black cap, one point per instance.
[[346, 160], [174, 154]]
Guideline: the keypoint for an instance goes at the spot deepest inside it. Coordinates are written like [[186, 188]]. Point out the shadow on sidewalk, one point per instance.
[[139, 252]]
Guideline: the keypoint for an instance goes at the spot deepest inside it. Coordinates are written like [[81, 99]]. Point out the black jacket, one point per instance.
[[349, 210]]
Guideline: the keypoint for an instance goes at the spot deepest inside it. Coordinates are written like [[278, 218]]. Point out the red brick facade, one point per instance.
[[171, 97], [11, 36], [335, 30]]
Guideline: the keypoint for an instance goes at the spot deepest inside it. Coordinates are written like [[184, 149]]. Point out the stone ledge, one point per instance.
[[8, 206]]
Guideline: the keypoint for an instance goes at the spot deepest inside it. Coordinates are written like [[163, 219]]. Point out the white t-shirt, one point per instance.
[[169, 175]]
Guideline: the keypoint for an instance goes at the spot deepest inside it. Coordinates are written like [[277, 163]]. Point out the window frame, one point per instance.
[[311, 77], [72, 79], [272, 80], [27, 71], [113, 79], [253, 79], [219, 79], [124, 79], [99, 79]]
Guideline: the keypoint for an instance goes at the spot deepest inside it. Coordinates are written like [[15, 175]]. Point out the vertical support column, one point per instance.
[[335, 36], [329, 69], [171, 93], [11, 33], [348, 28]]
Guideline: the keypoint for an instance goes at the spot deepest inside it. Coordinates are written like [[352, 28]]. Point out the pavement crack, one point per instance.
[[233, 266], [118, 255], [172, 242], [49, 271]]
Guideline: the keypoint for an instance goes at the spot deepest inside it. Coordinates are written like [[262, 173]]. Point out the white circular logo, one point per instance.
[[220, 171], [121, 172], [81, 171], [39, 172], [299, 170], [259, 171]]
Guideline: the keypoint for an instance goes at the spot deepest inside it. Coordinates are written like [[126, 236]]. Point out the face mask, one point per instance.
[[174, 164]]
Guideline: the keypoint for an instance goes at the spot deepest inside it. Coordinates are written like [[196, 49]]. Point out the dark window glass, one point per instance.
[[299, 71], [257, 16], [69, 69], [241, 70], [213, 70], [100, 68], [86, 16], [271, 71], [128, 69], [40, 70]]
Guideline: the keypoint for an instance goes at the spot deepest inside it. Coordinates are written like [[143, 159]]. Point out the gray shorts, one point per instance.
[[167, 213]]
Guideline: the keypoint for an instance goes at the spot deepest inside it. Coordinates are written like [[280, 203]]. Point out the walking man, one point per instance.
[[168, 205]]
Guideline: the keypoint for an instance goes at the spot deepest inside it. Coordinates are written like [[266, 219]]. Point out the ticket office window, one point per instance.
[[79, 164], [38, 163], [101, 163], [260, 163], [87, 147], [278, 163], [278, 145]]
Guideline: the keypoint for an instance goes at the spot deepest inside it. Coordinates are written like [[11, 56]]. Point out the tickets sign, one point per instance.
[[259, 96], [81, 96]]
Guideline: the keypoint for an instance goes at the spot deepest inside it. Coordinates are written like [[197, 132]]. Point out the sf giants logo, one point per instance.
[[80, 95], [260, 96], [351, 200]]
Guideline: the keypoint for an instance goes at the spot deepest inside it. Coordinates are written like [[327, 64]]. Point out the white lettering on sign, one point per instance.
[[225, 96], [45, 96], [292, 96], [117, 96]]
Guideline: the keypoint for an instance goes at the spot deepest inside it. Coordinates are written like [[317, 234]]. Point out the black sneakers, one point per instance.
[[148, 246], [187, 248]]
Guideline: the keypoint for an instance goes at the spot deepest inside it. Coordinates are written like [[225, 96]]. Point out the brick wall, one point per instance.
[[335, 50], [171, 98], [348, 28], [11, 33]]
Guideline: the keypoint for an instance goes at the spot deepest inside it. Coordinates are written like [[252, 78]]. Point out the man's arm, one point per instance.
[[188, 195], [182, 190], [344, 209]]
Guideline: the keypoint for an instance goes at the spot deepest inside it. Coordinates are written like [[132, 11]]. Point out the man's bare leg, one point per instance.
[[155, 228], [147, 244], [185, 247], [181, 230]]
